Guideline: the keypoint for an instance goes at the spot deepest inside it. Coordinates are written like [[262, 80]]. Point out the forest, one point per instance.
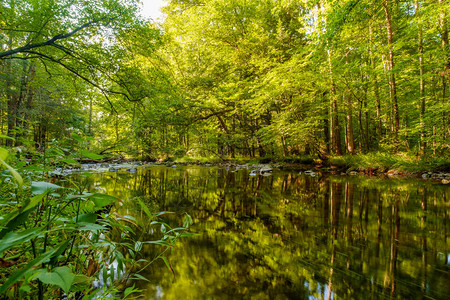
[[357, 84], [227, 79]]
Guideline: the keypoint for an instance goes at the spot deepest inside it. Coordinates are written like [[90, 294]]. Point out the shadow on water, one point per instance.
[[290, 236]]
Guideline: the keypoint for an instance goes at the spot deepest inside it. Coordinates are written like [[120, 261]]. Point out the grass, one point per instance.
[[381, 161], [193, 159], [386, 161]]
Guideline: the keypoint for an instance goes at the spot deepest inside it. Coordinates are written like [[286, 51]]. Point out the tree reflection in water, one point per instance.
[[289, 236]]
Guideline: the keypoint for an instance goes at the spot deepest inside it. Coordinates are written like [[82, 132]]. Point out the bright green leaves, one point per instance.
[[145, 208], [2, 136], [61, 277], [33, 263], [15, 238], [102, 200], [16, 218], [40, 187], [91, 155], [3, 155], [187, 221]]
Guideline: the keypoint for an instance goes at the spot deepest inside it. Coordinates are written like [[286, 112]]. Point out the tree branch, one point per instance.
[[103, 90], [50, 41]]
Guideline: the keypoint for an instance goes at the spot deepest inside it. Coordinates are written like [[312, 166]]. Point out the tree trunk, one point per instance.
[[29, 101], [375, 86], [349, 126], [392, 84], [446, 74], [335, 132], [422, 82], [350, 142]]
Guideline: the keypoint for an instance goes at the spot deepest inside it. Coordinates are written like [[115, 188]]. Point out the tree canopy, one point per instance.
[[247, 78]]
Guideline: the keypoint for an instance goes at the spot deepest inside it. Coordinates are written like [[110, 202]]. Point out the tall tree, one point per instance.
[[392, 84]]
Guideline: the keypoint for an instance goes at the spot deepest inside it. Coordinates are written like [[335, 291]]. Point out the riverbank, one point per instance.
[[373, 164]]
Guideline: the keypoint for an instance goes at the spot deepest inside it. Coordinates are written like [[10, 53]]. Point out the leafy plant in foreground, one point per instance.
[[57, 241]]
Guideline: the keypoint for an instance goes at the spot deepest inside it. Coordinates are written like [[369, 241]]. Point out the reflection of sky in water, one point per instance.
[[261, 237], [320, 288]]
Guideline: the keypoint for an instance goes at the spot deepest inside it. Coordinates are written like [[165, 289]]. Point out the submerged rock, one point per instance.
[[266, 169], [311, 173]]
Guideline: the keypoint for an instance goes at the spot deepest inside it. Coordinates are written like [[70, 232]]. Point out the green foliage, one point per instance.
[[224, 79], [66, 238], [384, 161]]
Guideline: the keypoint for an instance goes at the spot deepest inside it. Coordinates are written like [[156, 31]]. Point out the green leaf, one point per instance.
[[60, 250], [86, 218], [18, 217], [138, 246], [40, 187], [163, 213], [12, 279], [61, 276], [187, 221], [35, 200], [101, 200], [3, 153], [145, 208], [2, 136], [14, 173], [91, 155], [167, 264], [159, 242], [91, 227], [81, 283], [77, 138], [14, 239], [86, 222], [140, 277], [130, 290], [70, 161]]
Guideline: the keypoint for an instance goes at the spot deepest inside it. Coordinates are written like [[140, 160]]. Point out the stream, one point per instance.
[[291, 235]]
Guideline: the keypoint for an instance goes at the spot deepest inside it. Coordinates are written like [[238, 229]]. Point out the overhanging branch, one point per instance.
[[51, 41]]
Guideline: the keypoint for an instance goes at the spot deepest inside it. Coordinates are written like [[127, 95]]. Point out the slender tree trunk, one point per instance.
[[366, 140], [349, 127], [350, 142], [29, 100], [446, 74], [326, 127], [360, 128], [422, 82], [375, 85], [335, 132], [392, 83]]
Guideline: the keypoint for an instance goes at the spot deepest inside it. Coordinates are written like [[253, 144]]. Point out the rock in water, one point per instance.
[[264, 170]]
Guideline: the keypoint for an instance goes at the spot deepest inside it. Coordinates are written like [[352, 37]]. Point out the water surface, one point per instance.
[[291, 236]]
